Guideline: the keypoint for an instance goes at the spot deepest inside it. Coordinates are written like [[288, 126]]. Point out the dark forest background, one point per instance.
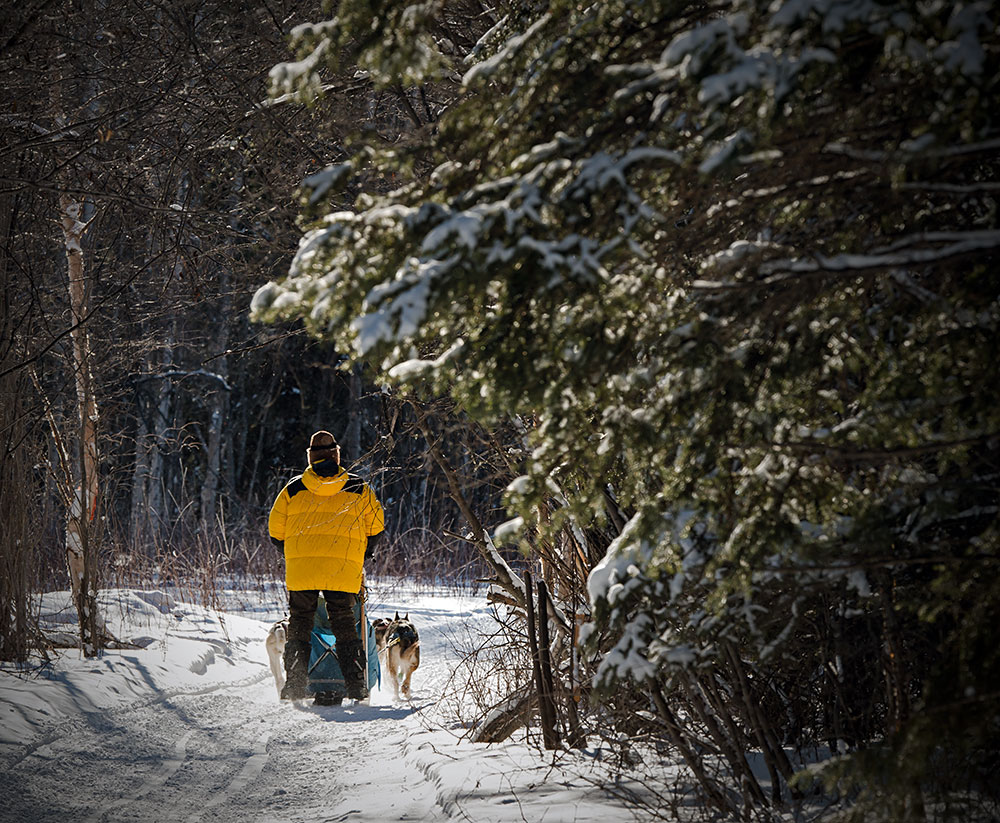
[[155, 118]]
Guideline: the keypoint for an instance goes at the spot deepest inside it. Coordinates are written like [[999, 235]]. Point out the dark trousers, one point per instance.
[[302, 613]]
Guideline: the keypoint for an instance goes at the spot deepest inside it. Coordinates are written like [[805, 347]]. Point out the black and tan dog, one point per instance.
[[399, 650]]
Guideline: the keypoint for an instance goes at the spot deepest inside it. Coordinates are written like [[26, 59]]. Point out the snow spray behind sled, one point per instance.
[[326, 680]]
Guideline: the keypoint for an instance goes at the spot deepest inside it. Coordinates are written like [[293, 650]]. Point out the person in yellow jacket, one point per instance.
[[328, 522]]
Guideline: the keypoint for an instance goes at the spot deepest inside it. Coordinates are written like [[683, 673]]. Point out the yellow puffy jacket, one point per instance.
[[325, 522]]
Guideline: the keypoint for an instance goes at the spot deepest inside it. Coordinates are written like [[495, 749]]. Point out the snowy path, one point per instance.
[[235, 754], [189, 729], [227, 751]]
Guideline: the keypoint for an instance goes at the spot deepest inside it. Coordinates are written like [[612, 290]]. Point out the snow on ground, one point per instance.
[[188, 727]]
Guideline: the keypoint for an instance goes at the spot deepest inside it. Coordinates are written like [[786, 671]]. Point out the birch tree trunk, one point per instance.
[[219, 400], [81, 537], [218, 410]]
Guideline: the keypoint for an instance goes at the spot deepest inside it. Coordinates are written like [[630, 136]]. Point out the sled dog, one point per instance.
[[399, 649], [275, 645]]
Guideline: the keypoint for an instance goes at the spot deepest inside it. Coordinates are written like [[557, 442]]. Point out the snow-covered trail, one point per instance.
[[232, 754], [229, 751], [188, 728]]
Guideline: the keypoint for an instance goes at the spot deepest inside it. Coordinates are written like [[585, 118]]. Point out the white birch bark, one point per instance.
[[217, 414], [81, 554]]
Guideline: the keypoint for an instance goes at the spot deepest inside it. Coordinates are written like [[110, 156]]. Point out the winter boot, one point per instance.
[[351, 658], [356, 690], [296, 670]]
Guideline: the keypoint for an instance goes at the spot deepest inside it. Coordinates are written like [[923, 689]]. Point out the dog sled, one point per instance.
[[326, 680]]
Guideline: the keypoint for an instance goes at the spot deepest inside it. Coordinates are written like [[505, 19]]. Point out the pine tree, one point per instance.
[[737, 262]]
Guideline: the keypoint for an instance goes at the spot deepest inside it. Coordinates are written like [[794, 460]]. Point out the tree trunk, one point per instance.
[[218, 412], [213, 462], [508, 717], [217, 437], [81, 537], [138, 521], [352, 431], [546, 695], [156, 496], [18, 529]]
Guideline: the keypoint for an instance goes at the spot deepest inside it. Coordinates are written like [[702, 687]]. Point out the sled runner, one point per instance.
[[326, 680]]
